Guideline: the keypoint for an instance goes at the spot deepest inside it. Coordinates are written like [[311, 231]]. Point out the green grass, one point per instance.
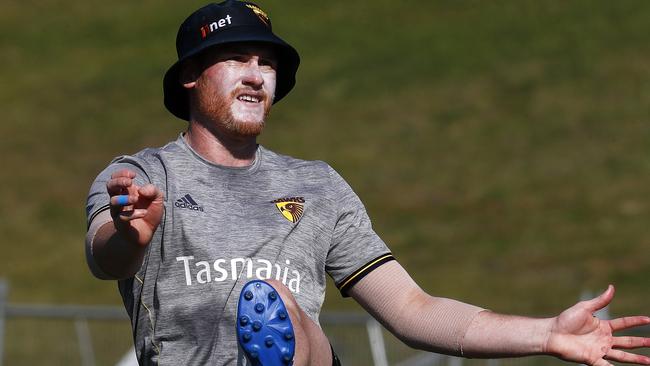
[[501, 147]]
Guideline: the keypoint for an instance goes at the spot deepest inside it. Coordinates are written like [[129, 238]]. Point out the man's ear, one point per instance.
[[189, 73]]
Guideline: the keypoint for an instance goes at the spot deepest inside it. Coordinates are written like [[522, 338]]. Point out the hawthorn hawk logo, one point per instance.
[[260, 14], [291, 208]]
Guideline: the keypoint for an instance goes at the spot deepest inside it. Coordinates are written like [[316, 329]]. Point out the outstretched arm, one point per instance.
[[447, 326], [575, 335]]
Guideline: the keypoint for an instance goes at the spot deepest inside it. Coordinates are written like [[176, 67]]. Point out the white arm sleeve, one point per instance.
[[98, 221], [421, 321]]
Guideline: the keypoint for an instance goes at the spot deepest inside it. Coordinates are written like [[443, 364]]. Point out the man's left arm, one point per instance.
[[452, 327], [575, 335]]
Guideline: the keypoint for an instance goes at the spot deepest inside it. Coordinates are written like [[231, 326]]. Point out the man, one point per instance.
[[184, 227]]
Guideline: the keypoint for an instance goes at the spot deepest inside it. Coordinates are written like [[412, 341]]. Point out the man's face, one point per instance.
[[235, 88]]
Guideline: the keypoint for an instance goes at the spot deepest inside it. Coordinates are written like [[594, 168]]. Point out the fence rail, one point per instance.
[[350, 344], [65, 312], [81, 315]]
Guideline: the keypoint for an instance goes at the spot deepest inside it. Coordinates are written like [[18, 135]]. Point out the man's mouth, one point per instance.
[[249, 98]]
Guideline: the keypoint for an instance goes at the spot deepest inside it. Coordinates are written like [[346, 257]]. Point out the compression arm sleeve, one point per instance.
[[97, 222], [421, 321]]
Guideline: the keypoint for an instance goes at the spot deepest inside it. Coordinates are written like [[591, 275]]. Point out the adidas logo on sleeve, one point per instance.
[[188, 202]]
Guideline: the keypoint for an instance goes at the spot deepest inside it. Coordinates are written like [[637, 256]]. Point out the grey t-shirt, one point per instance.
[[282, 218]]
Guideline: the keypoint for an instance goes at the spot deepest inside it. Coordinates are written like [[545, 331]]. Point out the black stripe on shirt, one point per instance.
[[92, 217], [360, 273]]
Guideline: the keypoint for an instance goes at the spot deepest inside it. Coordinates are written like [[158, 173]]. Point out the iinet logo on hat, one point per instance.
[[209, 28]]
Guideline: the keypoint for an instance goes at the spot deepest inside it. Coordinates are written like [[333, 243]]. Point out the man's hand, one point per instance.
[[577, 335], [136, 211]]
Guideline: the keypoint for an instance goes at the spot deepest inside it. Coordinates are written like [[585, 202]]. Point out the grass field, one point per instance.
[[502, 148]]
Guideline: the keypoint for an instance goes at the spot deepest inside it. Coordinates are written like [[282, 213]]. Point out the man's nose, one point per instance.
[[253, 74]]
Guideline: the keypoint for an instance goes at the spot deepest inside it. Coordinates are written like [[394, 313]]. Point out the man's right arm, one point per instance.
[[110, 256], [117, 238]]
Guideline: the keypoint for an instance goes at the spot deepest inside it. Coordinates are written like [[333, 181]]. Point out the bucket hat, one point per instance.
[[217, 24]]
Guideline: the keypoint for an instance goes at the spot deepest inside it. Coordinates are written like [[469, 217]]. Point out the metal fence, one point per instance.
[[100, 335], [357, 337]]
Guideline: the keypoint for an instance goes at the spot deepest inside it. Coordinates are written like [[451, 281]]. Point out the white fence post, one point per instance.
[[377, 346], [4, 289], [85, 343]]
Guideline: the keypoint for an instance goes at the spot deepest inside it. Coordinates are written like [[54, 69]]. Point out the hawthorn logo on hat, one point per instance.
[[260, 13], [214, 25]]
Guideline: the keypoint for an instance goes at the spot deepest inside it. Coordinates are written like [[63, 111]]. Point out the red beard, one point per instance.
[[215, 110]]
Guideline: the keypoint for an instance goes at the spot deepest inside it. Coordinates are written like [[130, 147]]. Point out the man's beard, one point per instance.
[[215, 110]]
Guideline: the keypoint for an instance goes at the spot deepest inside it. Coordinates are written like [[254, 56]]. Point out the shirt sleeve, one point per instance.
[[98, 198], [356, 249]]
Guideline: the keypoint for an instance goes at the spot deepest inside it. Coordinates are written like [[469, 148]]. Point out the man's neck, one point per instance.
[[221, 148]]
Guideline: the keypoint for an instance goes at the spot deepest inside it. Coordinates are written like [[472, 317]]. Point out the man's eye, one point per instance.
[[270, 63]]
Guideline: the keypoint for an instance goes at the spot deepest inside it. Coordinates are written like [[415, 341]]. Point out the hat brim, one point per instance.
[[176, 97]]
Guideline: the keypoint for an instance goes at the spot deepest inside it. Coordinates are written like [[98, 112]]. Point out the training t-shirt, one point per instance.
[[283, 218]]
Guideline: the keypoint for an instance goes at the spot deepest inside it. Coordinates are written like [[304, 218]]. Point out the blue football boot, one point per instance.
[[264, 330]]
